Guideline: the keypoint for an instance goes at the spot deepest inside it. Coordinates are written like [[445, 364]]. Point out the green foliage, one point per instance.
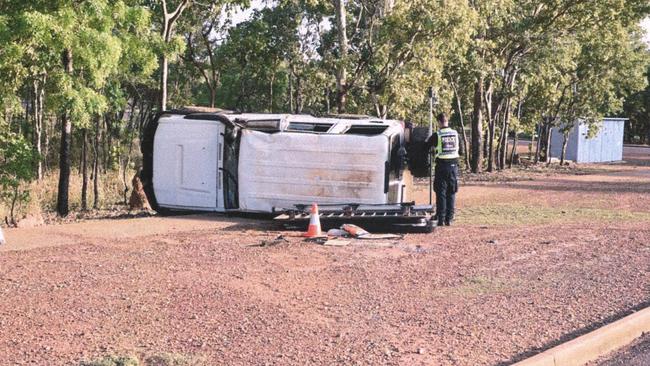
[[16, 169], [536, 60], [637, 108]]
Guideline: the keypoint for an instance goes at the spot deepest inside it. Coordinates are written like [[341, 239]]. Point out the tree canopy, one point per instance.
[[98, 70]]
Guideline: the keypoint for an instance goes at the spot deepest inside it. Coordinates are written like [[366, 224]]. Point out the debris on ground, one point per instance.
[[381, 237], [337, 233], [337, 237], [337, 243], [359, 233], [354, 230], [269, 243]]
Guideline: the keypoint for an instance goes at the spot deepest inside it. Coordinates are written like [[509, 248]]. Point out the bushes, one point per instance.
[[16, 169]]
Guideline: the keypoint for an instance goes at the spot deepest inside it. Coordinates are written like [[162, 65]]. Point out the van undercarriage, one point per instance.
[[353, 168]]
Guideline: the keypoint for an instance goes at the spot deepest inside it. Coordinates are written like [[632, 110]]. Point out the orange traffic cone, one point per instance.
[[314, 223]]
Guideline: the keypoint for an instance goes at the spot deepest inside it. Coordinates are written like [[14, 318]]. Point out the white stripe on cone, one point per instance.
[[314, 228], [314, 220]]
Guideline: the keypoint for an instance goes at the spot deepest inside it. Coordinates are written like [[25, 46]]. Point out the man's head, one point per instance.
[[442, 120]]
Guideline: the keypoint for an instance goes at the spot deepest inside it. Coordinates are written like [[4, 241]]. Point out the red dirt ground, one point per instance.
[[530, 263]]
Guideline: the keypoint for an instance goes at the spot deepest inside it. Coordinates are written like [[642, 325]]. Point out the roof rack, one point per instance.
[[198, 109], [348, 116]]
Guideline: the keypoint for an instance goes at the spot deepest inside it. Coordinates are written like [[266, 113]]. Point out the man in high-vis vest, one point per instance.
[[445, 182]]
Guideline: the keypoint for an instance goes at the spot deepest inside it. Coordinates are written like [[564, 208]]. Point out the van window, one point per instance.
[[309, 127], [368, 130], [266, 125]]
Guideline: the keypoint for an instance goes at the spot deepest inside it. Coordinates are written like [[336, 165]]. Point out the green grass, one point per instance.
[[113, 361], [163, 359], [521, 214], [480, 285]]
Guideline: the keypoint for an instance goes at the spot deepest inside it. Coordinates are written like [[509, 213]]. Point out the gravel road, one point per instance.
[[483, 292]]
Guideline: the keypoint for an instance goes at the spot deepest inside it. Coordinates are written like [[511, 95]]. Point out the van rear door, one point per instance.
[[187, 158]]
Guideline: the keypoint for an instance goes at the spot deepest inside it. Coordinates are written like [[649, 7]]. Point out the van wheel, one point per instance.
[[419, 159]]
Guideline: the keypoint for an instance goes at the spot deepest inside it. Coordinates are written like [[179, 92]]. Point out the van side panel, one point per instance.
[[283, 169], [186, 162]]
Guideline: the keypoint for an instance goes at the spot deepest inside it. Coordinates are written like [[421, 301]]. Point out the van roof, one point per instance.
[[337, 124]]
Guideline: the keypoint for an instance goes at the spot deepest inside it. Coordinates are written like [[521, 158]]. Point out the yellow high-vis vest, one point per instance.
[[447, 147]]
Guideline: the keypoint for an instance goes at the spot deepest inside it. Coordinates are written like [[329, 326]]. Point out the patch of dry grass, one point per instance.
[[523, 214], [43, 194], [162, 359]]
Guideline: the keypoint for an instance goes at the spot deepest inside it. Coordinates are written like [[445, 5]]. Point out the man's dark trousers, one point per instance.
[[445, 185]]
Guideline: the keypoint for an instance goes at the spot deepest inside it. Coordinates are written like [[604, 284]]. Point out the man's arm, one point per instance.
[[432, 142]]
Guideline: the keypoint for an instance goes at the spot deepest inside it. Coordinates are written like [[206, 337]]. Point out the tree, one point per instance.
[[16, 162], [637, 108], [341, 75], [168, 22], [85, 40]]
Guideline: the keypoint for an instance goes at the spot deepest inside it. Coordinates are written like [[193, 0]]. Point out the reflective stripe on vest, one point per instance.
[[447, 147]]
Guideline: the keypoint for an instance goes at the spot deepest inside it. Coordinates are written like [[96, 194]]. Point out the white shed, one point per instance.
[[605, 146]]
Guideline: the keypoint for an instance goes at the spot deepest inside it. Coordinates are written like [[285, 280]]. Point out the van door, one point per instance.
[[187, 158]]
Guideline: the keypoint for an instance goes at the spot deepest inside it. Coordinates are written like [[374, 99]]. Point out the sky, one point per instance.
[[646, 25]]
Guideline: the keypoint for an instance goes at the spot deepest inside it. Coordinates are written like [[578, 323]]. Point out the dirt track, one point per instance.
[[530, 263]]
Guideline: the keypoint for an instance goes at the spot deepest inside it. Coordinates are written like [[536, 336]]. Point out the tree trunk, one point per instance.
[[530, 147], [107, 145], [213, 95], [491, 122], [38, 127], [503, 140], [477, 127], [486, 140], [299, 95], [504, 151], [168, 21], [564, 144], [96, 166], [327, 100], [127, 159], [271, 92], [489, 143], [291, 107], [538, 148], [163, 83], [549, 133], [46, 144], [12, 211], [84, 170], [341, 77], [64, 155], [461, 118], [514, 149]]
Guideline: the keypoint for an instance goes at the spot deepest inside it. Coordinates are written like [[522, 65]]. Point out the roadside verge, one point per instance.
[[593, 345]]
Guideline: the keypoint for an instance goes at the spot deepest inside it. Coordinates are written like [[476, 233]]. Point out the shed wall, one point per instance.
[[606, 146]]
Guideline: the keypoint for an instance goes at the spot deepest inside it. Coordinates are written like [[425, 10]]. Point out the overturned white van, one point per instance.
[[278, 163]]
